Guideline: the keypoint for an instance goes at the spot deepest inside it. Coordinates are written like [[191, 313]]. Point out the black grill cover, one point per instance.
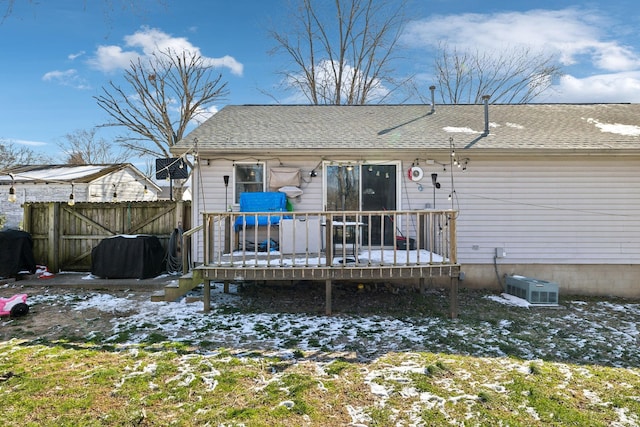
[[128, 257], [16, 253]]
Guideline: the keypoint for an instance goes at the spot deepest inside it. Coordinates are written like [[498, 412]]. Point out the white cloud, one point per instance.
[[613, 57], [203, 114], [326, 84], [145, 42], [615, 87], [151, 40], [226, 61], [111, 58], [73, 56], [68, 77], [570, 33], [601, 68], [29, 143]]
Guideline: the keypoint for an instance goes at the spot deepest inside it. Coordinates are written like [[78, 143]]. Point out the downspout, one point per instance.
[[485, 99]]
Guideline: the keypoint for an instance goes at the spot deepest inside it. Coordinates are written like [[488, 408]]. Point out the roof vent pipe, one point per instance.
[[433, 98], [485, 99]]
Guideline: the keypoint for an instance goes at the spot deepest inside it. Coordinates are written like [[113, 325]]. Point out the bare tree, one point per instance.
[[13, 154], [342, 51], [164, 94], [83, 147], [516, 76]]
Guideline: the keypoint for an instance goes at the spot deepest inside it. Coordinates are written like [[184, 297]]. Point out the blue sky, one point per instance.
[[57, 55]]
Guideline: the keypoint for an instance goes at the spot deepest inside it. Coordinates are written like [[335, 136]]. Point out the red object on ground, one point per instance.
[[42, 272]]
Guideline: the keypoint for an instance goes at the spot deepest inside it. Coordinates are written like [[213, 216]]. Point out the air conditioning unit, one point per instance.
[[536, 292]]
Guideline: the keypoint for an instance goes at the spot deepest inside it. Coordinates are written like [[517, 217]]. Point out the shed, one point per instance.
[[71, 183]]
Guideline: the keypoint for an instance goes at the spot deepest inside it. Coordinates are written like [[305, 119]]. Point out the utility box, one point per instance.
[[536, 292]]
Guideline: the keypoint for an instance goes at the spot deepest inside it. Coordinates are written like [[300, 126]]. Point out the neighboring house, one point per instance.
[[550, 191], [56, 183]]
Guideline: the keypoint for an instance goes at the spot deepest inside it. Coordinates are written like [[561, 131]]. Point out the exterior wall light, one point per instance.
[[12, 194], [12, 191], [71, 200]]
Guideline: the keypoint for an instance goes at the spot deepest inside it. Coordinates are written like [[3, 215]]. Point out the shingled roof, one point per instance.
[[270, 128]]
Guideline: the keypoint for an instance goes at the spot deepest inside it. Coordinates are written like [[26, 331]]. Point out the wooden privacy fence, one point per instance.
[[63, 235]]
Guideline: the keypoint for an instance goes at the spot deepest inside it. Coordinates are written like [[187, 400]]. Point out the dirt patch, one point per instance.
[[51, 316], [347, 298]]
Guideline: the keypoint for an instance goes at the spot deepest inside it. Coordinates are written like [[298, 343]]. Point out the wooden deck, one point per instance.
[[327, 246]]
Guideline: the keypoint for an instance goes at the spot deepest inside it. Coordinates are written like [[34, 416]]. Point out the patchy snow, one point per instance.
[[602, 332], [514, 125], [617, 128], [509, 299], [454, 129], [384, 256]]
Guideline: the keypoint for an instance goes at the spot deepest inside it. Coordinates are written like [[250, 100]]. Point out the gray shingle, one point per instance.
[[256, 128]]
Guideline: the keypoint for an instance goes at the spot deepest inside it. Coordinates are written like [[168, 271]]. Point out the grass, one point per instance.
[[55, 384], [489, 367]]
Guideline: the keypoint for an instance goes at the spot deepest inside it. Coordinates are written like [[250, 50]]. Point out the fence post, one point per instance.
[[53, 247], [27, 221], [179, 213]]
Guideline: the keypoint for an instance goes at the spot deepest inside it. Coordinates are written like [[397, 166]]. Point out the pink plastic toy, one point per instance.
[[15, 306]]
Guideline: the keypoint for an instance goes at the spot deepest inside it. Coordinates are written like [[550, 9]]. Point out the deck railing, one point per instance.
[[330, 239]]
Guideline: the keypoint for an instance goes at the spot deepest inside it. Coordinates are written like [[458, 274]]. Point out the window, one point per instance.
[[364, 187], [249, 178], [342, 187], [367, 187]]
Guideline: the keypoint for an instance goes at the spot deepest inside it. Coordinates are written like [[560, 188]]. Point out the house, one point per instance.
[[550, 191], [71, 183]]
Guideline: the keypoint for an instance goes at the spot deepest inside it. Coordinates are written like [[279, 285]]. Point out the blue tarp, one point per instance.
[[261, 202]]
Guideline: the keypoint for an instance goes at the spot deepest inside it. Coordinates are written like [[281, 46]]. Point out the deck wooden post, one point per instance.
[[225, 287], [422, 286], [227, 234], [328, 238], [207, 295], [328, 286], [453, 297]]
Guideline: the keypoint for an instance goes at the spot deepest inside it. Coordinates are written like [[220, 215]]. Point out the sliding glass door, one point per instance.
[[364, 187]]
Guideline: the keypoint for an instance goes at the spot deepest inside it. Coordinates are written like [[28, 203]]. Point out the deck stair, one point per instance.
[[173, 291]]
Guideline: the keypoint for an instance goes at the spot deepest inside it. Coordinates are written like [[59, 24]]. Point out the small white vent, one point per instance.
[[536, 292]]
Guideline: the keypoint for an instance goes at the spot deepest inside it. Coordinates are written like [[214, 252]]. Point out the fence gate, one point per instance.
[[63, 235]]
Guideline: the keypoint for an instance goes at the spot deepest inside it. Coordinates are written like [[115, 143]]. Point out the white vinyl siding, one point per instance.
[[550, 211], [541, 210], [124, 183], [209, 189]]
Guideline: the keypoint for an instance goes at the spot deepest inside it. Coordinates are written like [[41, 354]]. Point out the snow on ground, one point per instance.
[[599, 331], [388, 257], [510, 300], [501, 328]]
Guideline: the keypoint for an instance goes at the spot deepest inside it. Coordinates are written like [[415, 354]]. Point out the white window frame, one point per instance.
[[236, 194]]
